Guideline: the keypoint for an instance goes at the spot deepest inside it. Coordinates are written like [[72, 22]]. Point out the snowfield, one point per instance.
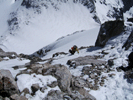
[[59, 30]]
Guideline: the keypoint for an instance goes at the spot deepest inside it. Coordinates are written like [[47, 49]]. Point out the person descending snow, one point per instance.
[[74, 49]]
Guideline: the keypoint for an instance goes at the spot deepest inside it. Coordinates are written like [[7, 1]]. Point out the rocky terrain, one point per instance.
[[71, 87]]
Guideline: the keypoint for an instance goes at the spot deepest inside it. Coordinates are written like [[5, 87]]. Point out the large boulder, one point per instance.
[[108, 30], [8, 86], [62, 74], [127, 44]]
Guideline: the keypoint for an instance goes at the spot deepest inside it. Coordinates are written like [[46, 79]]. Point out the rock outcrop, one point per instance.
[[108, 30], [11, 55], [129, 41]]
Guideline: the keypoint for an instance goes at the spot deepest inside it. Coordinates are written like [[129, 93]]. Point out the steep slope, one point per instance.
[[33, 28], [33, 24]]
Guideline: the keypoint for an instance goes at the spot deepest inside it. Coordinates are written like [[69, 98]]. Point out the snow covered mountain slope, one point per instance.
[[30, 30], [28, 25], [63, 44]]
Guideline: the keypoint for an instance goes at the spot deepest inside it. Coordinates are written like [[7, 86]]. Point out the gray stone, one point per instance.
[[42, 89], [54, 95], [34, 88], [8, 85], [17, 97], [26, 91], [53, 84], [62, 74]]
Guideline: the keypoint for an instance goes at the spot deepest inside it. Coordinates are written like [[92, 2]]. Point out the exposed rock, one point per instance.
[[78, 82], [109, 29], [1, 50], [92, 76], [54, 95], [129, 41], [110, 62], [85, 61], [130, 20], [26, 91], [129, 76], [11, 55], [8, 85], [34, 88], [17, 97], [86, 95], [127, 5], [53, 84], [62, 74], [42, 89], [59, 53], [30, 57], [36, 68]]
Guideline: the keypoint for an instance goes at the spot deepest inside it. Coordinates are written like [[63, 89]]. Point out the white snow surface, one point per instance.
[[37, 31]]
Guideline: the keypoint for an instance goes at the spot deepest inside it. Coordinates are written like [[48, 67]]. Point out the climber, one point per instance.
[[74, 49], [130, 63]]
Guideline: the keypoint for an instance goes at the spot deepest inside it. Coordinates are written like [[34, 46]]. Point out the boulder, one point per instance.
[[34, 88], [108, 30], [8, 85], [54, 95], [62, 74], [26, 91], [17, 97]]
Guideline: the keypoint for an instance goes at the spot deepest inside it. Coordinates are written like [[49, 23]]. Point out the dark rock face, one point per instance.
[[127, 4], [130, 20], [129, 76], [29, 3], [128, 42], [109, 30], [110, 62], [8, 86]]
